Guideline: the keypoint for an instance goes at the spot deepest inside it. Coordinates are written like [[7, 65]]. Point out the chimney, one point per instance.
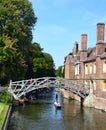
[[100, 32], [83, 52], [75, 49], [84, 42], [100, 45]]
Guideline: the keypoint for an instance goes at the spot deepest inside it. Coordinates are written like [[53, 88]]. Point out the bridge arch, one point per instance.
[[19, 88]]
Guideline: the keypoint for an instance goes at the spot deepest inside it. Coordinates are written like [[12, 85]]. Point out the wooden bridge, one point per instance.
[[20, 88]]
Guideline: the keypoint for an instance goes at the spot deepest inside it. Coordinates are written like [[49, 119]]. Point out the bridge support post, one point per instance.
[[82, 101], [89, 101]]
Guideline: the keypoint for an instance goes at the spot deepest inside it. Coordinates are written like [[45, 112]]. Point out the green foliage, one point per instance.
[[10, 61], [60, 71], [19, 58], [5, 97], [17, 19], [43, 64]]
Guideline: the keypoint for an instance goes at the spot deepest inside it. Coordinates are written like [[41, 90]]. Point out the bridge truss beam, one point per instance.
[[19, 88]]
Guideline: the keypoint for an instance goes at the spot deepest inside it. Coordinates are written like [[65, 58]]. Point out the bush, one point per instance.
[[5, 96]]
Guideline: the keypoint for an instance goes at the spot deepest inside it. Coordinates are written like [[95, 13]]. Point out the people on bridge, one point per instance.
[[30, 80]]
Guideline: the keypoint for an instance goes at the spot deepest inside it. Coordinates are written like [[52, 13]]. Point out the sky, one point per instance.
[[61, 22]]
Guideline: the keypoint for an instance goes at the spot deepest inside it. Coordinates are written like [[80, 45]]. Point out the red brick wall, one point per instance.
[[67, 67]]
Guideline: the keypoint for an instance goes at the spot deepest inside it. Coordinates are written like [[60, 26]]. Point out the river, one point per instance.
[[41, 114]]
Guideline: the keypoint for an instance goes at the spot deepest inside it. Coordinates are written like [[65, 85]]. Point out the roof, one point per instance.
[[91, 54], [103, 55]]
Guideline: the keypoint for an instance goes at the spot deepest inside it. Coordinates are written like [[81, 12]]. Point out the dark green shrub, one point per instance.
[[5, 96]]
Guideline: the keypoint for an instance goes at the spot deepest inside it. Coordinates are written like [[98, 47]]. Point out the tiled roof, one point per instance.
[[91, 55], [103, 55]]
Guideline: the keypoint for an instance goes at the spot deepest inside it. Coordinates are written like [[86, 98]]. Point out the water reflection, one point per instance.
[[42, 115], [77, 118]]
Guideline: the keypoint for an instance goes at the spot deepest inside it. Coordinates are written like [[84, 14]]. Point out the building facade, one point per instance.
[[89, 63]]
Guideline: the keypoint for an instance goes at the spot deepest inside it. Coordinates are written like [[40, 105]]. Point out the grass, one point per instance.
[[5, 100], [3, 111]]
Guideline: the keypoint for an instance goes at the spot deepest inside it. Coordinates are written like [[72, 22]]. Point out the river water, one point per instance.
[[41, 114]]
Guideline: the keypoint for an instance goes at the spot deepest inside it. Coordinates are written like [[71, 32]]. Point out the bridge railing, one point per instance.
[[19, 88]]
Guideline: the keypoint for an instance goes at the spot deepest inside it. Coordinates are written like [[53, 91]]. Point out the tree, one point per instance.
[[19, 58], [50, 64], [12, 64], [43, 64], [17, 19], [60, 71]]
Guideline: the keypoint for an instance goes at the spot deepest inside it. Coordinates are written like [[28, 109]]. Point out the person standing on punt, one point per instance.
[[56, 97]]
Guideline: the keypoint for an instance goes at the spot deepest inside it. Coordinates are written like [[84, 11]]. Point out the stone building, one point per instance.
[[89, 63]]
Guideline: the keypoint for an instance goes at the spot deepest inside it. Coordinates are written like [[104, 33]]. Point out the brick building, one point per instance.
[[89, 63]]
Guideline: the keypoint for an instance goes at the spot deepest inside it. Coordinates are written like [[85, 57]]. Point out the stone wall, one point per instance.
[[69, 95], [89, 101]]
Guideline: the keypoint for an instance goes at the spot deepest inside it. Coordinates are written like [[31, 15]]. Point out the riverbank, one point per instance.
[[5, 107], [3, 112]]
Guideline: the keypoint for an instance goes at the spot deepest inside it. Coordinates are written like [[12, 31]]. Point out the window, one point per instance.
[[90, 68], [104, 85], [86, 69], [94, 84], [104, 66], [94, 68], [77, 69]]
